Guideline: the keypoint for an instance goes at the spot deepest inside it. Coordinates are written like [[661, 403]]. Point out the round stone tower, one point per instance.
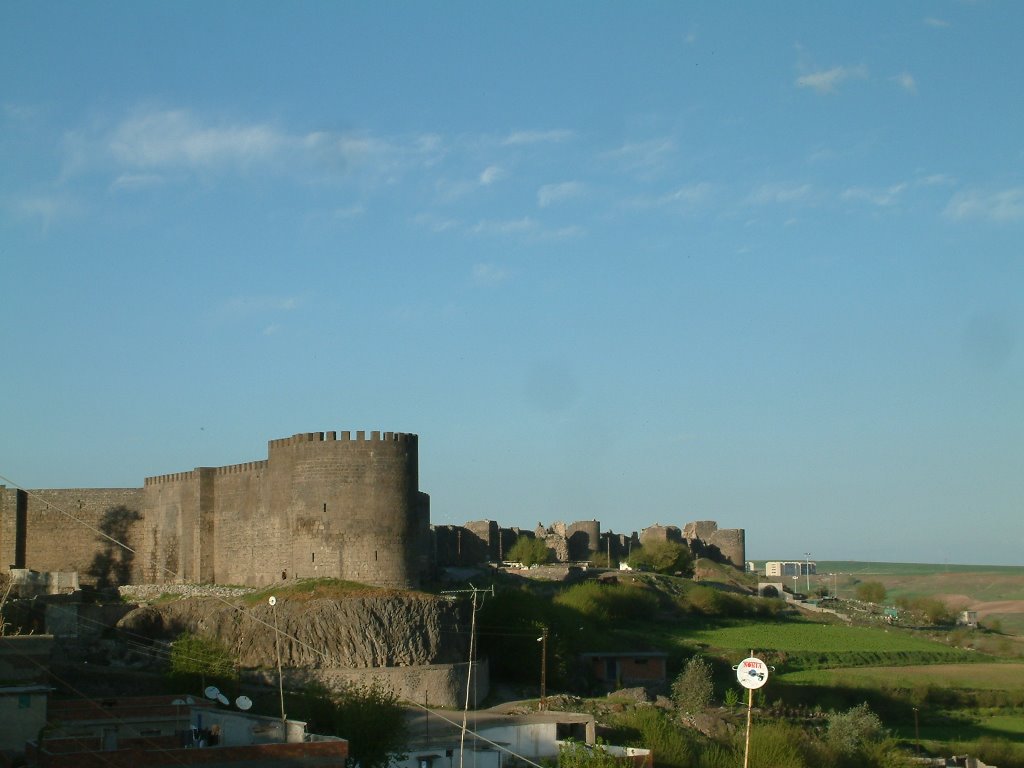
[[352, 506]]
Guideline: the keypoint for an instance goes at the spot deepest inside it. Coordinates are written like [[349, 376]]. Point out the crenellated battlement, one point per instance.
[[234, 469], [359, 436], [174, 477]]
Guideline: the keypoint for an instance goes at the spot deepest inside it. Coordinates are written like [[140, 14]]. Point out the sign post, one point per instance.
[[751, 673]]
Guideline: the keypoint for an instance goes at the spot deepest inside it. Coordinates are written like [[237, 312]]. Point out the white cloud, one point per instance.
[[931, 21], [642, 155], [491, 174], [132, 181], [257, 305], [46, 209], [906, 81], [828, 80], [537, 137], [1003, 205], [435, 223], [349, 212], [177, 138], [687, 197], [504, 226], [556, 193], [178, 143], [488, 274], [880, 197], [779, 192]]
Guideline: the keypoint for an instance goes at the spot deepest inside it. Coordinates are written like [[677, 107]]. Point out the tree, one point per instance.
[[369, 717], [693, 689], [871, 592], [529, 550], [663, 557]]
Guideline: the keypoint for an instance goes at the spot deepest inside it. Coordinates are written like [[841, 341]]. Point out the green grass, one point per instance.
[[311, 589], [978, 676], [799, 645], [860, 568], [808, 636]]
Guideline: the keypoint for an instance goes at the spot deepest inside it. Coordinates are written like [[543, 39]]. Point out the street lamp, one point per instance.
[[807, 569]]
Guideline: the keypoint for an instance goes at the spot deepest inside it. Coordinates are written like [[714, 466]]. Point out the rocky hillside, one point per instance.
[[363, 630]]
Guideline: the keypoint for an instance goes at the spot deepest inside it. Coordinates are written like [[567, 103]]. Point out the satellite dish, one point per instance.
[[212, 692], [178, 702], [189, 700], [272, 600], [222, 698], [244, 703]]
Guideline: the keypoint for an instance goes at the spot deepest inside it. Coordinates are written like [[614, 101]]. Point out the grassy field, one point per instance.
[[979, 676], [808, 636], [859, 568]]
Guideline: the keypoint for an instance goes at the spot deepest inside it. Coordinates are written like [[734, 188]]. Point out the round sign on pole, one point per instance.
[[752, 672]]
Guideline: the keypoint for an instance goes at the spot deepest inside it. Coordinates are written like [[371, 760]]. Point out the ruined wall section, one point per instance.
[[732, 544], [51, 536]]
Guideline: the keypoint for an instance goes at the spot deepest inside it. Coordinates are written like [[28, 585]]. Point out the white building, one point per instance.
[[790, 568]]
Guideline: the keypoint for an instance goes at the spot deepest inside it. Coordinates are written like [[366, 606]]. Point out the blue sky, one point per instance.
[[643, 263]]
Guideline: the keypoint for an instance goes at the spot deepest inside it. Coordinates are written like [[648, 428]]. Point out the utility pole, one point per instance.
[[807, 569], [277, 650], [543, 640], [473, 591]]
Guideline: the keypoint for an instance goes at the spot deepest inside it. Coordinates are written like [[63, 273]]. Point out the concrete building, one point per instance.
[[779, 568]]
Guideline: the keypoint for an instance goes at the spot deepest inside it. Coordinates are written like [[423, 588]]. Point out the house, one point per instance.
[[24, 670], [968, 619], [174, 731], [494, 739], [616, 669]]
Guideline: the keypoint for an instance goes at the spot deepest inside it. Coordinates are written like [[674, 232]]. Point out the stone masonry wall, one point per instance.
[[54, 540]]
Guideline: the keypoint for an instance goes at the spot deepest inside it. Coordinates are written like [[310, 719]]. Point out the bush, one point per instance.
[[693, 689], [851, 731], [529, 550], [663, 557], [651, 729], [609, 602], [370, 717], [871, 592], [574, 754], [197, 662]]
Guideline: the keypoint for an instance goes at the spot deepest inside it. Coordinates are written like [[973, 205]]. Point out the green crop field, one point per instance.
[[800, 645], [808, 636], [979, 676], [860, 568]]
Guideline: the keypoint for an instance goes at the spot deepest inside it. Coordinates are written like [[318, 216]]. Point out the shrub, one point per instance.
[[851, 731], [609, 602], [871, 592], [663, 557], [529, 550], [693, 689], [198, 661]]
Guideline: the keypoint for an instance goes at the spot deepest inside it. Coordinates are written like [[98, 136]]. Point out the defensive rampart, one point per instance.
[[322, 504]]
